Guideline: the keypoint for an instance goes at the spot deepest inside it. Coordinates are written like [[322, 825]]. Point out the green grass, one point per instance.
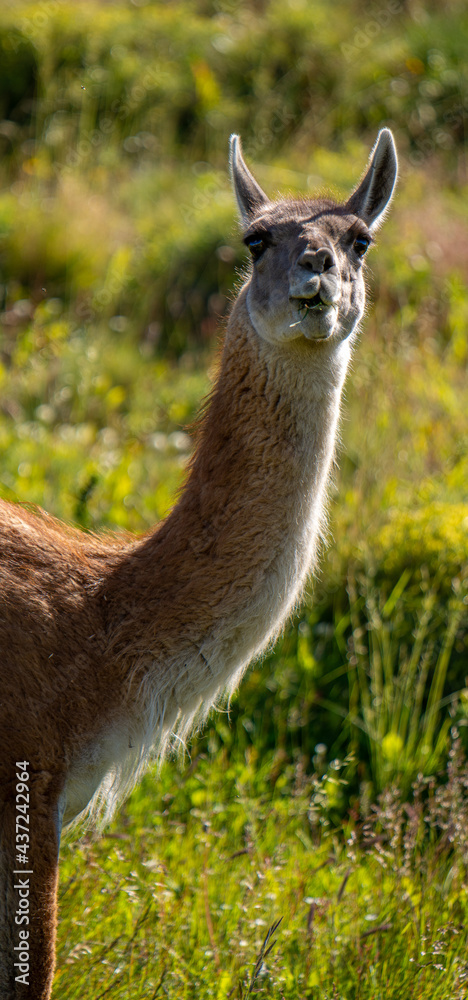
[[177, 898], [94, 412]]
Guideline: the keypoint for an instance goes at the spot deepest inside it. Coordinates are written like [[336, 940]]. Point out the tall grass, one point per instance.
[[184, 896], [397, 681]]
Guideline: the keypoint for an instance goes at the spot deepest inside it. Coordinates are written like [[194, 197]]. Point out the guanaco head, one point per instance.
[[307, 255]]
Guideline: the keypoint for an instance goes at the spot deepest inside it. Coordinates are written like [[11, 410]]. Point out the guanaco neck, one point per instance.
[[215, 582]]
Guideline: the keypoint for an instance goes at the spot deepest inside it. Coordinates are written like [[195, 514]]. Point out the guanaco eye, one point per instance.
[[361, 244], [256, 245]]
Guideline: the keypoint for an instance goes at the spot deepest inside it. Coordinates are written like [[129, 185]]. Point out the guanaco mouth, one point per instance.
[[315, 303]]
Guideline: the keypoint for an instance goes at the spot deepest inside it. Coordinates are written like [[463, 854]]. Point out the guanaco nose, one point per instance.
[[317, 261]]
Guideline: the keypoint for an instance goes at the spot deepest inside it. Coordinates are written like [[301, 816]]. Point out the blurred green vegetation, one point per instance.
[[115, 126], [119, 254]]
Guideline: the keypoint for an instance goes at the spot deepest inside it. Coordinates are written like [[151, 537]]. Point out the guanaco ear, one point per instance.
[[249, 194], [370, 200]]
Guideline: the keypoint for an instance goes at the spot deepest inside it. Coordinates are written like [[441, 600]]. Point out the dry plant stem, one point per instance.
[[343, 886], [209, 921], [264, 952], [376, 930]]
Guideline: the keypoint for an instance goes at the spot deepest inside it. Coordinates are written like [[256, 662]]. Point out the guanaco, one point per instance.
[[111, 644]]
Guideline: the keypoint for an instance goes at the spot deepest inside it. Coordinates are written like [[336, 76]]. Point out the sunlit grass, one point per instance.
[[176, 900]]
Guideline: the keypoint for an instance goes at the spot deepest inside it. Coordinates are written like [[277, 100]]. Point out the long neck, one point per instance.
[[265, 451], [221, 574], [266, 447]]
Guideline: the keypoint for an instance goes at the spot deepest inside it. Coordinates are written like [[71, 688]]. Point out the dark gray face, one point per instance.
[[307, 256], [307, 271]]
